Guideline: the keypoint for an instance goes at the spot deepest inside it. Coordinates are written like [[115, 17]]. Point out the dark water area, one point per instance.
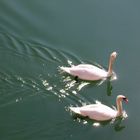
[[37, 37]]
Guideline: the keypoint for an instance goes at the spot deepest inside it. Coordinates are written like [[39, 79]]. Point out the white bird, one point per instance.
[[91, 72], [99, 111]]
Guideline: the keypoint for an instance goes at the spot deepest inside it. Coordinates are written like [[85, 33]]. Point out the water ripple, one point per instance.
[[34, 70]]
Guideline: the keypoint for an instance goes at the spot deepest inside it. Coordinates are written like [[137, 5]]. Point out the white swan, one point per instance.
[[101, 112], [91, 72]]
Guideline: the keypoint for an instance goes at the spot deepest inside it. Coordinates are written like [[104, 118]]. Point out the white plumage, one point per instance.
[[90, 72], [99, 111]]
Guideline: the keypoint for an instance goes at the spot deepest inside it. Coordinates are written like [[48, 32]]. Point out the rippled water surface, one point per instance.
[[37, 37]]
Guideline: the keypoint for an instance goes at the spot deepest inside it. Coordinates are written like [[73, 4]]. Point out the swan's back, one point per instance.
[[86, 72], [98, 112]]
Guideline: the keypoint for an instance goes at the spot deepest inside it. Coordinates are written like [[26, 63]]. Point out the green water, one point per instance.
[[36, 37]]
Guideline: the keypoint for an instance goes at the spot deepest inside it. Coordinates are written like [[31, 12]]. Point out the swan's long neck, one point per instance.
[[110, 67], [119, 107]]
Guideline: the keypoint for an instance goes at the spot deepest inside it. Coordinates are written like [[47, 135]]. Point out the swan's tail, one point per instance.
[[76, 110], [66, 69]]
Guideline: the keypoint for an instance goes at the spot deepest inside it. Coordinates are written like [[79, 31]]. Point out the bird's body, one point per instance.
[[90, 72], [86, 72], [99, 111], [95, 112]]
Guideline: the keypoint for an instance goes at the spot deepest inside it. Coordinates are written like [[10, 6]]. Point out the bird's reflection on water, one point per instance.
[[116, 123]]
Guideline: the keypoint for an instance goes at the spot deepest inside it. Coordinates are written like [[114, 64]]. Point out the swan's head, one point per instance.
[[113, 56], [122, 98]]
